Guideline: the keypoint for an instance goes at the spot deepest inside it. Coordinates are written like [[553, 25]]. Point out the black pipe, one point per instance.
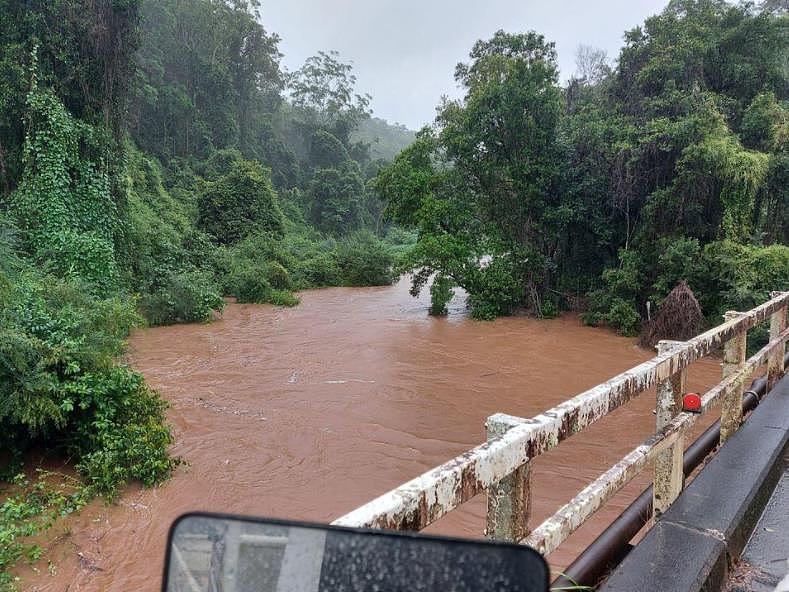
[[608, 549]]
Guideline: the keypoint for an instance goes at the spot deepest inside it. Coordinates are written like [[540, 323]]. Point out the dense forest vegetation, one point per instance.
[[670, 164], [155, 157]]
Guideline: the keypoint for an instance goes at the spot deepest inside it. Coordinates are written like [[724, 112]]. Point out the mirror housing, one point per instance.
[[220, 553]]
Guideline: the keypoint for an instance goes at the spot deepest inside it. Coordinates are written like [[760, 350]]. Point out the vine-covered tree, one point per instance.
[[697, 159], [82, 53], [240, 203]]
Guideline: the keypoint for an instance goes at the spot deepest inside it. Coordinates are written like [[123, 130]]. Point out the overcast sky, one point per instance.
[[404, 51]]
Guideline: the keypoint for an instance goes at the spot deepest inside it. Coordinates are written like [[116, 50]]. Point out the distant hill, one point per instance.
[[386, 139]]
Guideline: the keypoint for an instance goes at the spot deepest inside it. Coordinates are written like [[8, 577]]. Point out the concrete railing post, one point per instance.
[[669, 478], [231, 553], [775, 365], [509, 500], [734, 352]]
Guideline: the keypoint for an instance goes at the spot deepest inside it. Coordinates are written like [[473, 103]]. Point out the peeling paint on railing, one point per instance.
[[553, 531]]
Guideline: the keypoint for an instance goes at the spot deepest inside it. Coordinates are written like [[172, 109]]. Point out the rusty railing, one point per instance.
[[501, 466]]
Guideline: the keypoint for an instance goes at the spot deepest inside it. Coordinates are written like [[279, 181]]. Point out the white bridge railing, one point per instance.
[[501, 466]]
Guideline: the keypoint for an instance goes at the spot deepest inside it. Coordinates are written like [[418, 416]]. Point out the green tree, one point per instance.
[[454, 247], [500, 144], [695, 113], [336, 196], [324, 90], [239, 203], [327, 151], [503, 140], [210, 78]]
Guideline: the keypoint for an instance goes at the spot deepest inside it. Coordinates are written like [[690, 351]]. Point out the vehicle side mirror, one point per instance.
[[213, 553]]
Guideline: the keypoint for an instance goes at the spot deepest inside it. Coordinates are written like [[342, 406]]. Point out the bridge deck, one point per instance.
[[765, 559]]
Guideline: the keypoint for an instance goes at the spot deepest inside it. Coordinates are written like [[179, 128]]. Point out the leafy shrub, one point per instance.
[[263, 247], [248, 265], [122, 433], [266, 268], [724, 275], [199, 251], [278, 276], [185, 297], [614, 303], [168, 260], [283, 298], [252, 282], [83, 256], [60, 385], [364, 261], [293, 203], [731, 276], [154, 251], [256, 267], [317, 270], [623, 316], [248, 283], [441, 292], [678, 261], [496, 290], [157, 223], [31, 506], [310, 260], [548, 309]]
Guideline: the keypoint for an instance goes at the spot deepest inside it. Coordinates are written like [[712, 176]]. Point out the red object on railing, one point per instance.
[[691, 402]]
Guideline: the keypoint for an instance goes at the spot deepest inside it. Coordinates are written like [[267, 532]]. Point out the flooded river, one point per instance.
[[309, 412]]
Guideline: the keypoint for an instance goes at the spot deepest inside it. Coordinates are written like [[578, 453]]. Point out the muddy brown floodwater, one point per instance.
[[309, 412]]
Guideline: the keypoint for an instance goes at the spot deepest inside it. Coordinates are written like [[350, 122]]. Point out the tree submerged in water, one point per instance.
[[679, 317]]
